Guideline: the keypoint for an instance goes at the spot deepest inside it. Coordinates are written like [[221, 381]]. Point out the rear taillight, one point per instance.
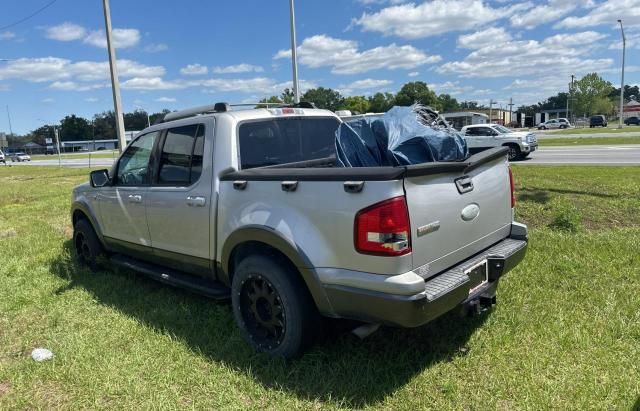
[[512, 185], [383, 229]]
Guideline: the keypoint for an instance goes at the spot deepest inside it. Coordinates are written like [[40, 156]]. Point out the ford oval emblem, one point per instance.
[[470, 212]]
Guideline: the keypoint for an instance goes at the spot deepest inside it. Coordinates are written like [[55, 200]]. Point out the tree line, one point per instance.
[[410, 93], [587, 96], [76, 128]]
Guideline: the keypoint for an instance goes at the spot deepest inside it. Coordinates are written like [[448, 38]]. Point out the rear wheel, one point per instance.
[[86, 243], [514, 152], [273, 307]]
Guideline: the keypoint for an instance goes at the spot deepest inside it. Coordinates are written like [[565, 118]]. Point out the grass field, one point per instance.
[[550, 141], [564, 335], [99, 154], [611, 128]]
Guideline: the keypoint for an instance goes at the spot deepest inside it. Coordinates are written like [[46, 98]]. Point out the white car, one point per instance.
[[555, 123], [485, 136], [21, 157]]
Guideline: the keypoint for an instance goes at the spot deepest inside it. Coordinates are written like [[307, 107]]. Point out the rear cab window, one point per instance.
[[180, 161], [278, 141]]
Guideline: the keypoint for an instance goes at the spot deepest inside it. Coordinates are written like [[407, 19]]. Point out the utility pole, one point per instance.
[[491, 103], [55, 133], [9, 117], [624, 46], [294, 53], [115, 84], [510, 109], [569, 98]]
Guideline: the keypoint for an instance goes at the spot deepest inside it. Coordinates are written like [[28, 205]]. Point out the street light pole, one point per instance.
[[624, 46], [294, 53], [115, 84], [147, 113]]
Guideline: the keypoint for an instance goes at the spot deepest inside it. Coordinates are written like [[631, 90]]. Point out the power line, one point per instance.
[[35, 13]]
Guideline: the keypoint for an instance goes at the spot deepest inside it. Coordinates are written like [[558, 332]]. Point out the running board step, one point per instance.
[[208, 288]]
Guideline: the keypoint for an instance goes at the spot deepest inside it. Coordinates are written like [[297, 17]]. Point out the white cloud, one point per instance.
[[344, 57], [73, 86], [91, 99], [194, 70], [153, 83], [482, 38], [542, 14], [66, 32], [166, 100], [47, 100], [560, 54], [155, 47], [430, 18], [606, 13], [238, 68], [64, 74], [122, 38], [413, 74], [367, 84], [7, 35], [584, 38]]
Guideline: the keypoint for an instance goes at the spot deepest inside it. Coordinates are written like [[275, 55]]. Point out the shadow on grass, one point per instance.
[[543, 196], [340, 369]]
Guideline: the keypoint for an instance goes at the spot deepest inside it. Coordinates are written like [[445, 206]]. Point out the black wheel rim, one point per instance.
[[262, 312], [512, 153], [82, 247]]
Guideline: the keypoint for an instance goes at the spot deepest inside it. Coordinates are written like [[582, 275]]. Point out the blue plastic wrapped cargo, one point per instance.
[[402, 136]]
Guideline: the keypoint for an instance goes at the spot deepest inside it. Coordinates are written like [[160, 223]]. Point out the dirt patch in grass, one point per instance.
[[5, 386], [8, 233]]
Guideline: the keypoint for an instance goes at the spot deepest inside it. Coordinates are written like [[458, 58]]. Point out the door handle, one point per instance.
[[196, 201], [135, 198]]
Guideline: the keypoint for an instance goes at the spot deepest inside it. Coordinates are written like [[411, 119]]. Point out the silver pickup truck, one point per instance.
[[249, 204]]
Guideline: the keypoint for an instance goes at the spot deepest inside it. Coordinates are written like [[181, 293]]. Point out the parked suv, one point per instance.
[[485, 136], [555, 123], [597, 121], [250, 205]]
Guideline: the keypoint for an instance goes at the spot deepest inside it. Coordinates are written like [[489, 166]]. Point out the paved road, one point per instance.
[[598, 155], [614, 155], [68, 162]]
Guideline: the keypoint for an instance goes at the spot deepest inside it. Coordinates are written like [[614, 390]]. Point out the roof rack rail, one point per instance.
[[224, 107]]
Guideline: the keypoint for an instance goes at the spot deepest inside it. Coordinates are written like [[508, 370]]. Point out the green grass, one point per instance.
[[611, 128], [565, 333], [107, 154], [586, 141]]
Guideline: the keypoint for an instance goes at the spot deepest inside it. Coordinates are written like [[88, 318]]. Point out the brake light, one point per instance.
[[383, 229], [512, 186]]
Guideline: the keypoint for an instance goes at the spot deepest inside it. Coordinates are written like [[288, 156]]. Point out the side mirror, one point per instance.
[[99, 178]]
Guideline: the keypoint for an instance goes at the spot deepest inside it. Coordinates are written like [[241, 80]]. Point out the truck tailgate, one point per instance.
[[457, 213]]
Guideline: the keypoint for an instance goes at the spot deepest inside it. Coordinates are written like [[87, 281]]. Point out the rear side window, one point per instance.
[[181, 156], [286, 140]]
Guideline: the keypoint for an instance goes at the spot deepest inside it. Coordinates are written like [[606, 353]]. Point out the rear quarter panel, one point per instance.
[[318, 218]]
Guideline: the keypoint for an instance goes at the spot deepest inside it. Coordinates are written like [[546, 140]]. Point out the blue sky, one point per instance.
[[180, 54]]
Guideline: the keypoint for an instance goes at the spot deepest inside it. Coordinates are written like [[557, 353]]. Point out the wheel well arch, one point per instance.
[[77, 215], [266, 241], [247, 248]]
